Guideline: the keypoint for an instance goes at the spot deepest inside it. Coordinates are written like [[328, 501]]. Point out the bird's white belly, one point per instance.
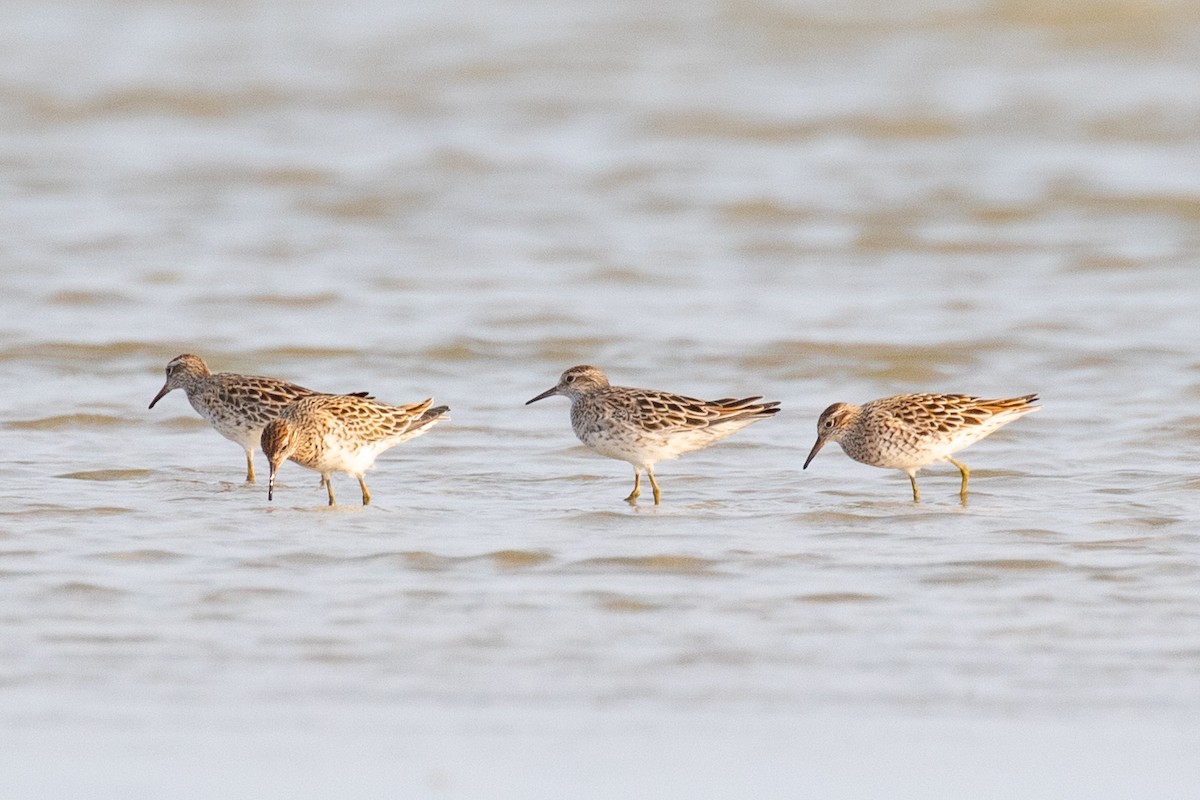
[[915, 455], [335, 456], [647, 449], [235, 430]]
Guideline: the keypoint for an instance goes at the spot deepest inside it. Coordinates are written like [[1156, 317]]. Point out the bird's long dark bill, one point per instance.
[[813, 453], [159, 396], [271, 486], [551, 391]]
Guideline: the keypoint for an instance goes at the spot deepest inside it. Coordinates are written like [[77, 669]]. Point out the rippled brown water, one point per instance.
[[815, 202]]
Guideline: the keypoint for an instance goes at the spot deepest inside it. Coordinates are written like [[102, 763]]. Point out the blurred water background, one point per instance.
[[811, 200]]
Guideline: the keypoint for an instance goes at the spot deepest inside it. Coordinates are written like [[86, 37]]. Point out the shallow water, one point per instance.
[[813, 202]]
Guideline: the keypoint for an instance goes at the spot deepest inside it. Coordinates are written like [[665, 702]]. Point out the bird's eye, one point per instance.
[[570, 379], [829, 423]]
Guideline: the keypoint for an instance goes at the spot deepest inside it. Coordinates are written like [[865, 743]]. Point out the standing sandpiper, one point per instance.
[[643, 426], [342, 433], [910, 431], [237, 406]]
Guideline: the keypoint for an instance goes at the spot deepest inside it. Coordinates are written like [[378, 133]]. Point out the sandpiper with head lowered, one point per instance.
[[237, 406], [342, 433], [644, 426], [911, 431]]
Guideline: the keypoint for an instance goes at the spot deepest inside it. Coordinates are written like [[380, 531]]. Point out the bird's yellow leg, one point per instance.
[[966, 473], [366, 494], [637, 486], [329, 487], [249, 466], [912, 478], [654, 483]]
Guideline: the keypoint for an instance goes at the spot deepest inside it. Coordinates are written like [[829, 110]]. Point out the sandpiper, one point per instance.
[[644, 426], [911, 431], [237, 406], [342, 433]]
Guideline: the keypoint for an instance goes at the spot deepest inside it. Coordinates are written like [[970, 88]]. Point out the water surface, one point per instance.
[[814, 202]]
